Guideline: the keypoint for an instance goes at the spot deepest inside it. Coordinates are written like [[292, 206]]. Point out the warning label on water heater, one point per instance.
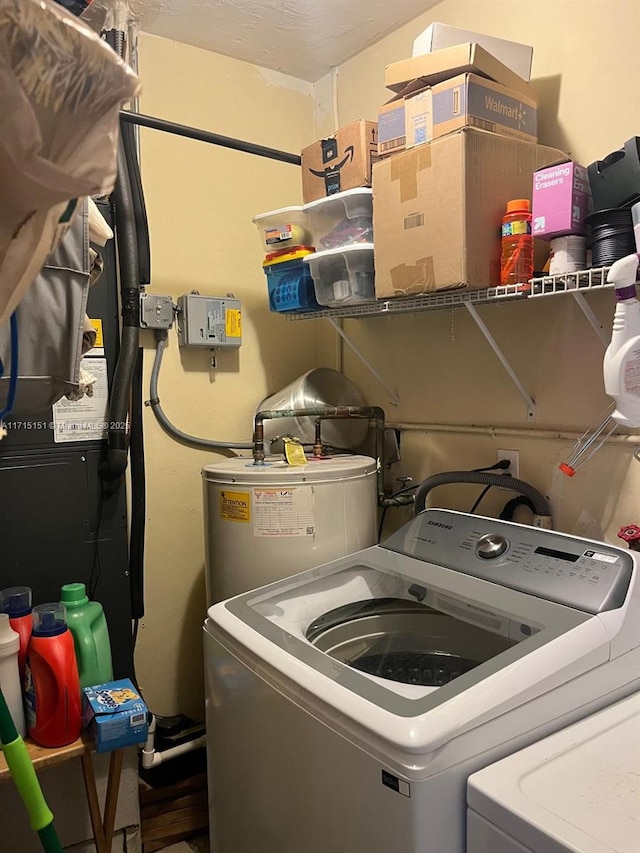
[[235, 506], [284, 512]]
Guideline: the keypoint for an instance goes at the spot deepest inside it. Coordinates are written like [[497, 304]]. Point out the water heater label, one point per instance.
[[284, 511], [235, 506]]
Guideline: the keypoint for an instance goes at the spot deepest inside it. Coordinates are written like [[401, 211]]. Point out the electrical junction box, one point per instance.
[[209, 321], [156, 312]]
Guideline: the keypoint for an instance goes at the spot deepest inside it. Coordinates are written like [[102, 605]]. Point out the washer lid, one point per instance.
[[576, 790], [275, 470]]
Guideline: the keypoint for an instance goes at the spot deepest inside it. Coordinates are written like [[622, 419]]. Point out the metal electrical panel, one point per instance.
[[209, 321]]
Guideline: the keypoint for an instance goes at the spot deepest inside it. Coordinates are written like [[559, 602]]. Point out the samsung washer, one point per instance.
[[577, 791], [348, 705]]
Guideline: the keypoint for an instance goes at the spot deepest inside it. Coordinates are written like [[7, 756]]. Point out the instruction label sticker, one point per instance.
[[233, 323], [235, 506], [603, 558], [85, 419], [284, 512]]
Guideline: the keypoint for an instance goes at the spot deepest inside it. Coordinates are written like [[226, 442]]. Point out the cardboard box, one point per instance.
[[432, 68], [437, 36], [437, 210], [418, 117], [470, 100], [115, 714], [391, 134], [561, 200], [339, 162]]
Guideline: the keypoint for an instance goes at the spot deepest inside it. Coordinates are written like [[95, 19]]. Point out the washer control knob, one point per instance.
[[491, 546]]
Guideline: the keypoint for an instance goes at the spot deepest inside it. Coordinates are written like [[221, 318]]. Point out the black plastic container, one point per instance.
[[610, 235], [615, 180]]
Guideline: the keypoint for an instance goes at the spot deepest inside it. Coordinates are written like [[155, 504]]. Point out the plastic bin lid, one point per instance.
[[340, 250], [271, 214], [289, 255], [326, 200]]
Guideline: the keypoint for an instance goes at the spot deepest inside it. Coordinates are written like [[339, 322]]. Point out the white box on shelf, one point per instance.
[[518, 57]]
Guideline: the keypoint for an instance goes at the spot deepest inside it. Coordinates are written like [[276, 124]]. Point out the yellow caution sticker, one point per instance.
[[233, 322], [97, 325], [235, 506]]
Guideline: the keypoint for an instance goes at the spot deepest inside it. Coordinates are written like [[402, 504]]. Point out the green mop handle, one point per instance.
[[26, 781]]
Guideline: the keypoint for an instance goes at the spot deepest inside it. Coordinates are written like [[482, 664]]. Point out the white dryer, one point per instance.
[[348, 705], [577, 791]]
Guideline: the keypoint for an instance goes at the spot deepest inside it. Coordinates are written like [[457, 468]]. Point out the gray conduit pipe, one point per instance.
[[542, 510], [165, 423]]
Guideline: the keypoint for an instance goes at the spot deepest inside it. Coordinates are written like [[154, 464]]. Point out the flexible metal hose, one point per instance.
[[165, 423], [541, 507]]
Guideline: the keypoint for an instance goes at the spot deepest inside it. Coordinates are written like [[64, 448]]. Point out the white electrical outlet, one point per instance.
[[514, 461]]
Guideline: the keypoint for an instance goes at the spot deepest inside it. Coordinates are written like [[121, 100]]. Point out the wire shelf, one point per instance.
[[550, 285], [414, 304]]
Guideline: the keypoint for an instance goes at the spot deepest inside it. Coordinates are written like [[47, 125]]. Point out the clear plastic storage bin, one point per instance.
[[289, 281], [342, 219], [284, 229], [343, 276]]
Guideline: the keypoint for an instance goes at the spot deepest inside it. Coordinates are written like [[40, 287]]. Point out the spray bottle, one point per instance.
[[621, 366], [622, 358]]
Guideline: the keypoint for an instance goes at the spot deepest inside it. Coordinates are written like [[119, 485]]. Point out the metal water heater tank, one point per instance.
[[266, 522]]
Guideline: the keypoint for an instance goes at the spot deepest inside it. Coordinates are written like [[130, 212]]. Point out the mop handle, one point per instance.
[[26, 781]]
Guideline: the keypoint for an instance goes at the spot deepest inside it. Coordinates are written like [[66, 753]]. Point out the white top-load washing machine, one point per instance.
[[577, 791], [348, 705]]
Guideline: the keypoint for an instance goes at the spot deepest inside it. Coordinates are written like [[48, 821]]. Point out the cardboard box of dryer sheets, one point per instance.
[[339, 162], [518, 57], [115, 715], [438, 207], [432, 68]]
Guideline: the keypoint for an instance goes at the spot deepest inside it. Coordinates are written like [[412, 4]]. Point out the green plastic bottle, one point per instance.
[[88, 626]]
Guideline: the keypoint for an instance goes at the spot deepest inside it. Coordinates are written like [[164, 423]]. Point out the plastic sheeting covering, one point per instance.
[[61, 88], [51, 325]]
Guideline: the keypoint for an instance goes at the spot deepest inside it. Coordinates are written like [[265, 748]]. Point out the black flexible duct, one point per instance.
[[128, 135], [138, 494], [542, 510], [115, 464]]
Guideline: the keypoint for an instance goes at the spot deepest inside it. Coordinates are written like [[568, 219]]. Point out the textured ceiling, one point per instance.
[[305, 38]]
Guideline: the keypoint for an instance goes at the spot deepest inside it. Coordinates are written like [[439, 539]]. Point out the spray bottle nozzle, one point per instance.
[[623, 272]]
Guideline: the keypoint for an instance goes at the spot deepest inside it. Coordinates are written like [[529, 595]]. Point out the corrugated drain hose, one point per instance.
[[541, 508], [165, 423]]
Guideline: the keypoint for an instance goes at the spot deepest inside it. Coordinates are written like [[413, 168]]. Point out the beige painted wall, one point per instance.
[[586, 68], [200, 201]]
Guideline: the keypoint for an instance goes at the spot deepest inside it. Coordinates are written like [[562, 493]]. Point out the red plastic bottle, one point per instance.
[[516, 265], [51, 684], [16, 601]]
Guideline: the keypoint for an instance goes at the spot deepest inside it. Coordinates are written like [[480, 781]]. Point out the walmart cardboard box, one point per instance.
[[391, 126], [432, 68], [437, 210], [339, 162], [477, 102]]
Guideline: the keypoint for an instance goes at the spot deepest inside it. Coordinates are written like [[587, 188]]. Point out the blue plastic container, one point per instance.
[[290, 283]]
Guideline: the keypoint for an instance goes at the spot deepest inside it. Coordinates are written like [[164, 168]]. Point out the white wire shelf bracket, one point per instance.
[[415, 304], [576, 284]]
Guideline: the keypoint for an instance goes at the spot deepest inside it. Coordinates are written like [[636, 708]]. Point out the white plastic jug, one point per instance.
[[9, 674]]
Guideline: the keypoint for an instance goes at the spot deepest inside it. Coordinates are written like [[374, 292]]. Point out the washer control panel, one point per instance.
[[589, 576], [491, 545]]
